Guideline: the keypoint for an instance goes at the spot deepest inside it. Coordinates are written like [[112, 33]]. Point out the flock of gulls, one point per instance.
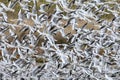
[[31, 52]]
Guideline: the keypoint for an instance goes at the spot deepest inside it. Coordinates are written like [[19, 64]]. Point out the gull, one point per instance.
[[20, 63], [58, 9], [50, 39], [83, 27], [26, 0], [71, 3], [4, 16], [20, 16], [45, 42], [51, 28], [65, 65], [114, 19], [37, 40], [68, 34], [41, 16], [65, 17], [100, 9], [53, 19], [5, 53], [78, 2], [14, 53], [12, 4], [11, 32], [5, 29], [68, 22], [24, 29], [20, 53], [64, 5], [97, 1], [62, 31], [56, 20], [34, 8], [32, 39], [24, 6], [73, 23], [30, 14], [38, 69], [5, 7], [54, 31], [71, 38], [42, 8], [51, 1], [99, 21], [17, 42], [36, 20], [1, 9], [107, 77]]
